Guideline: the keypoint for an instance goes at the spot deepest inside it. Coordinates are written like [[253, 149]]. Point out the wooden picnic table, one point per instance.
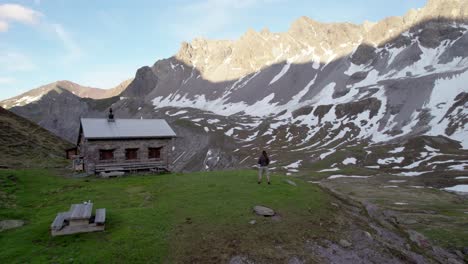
[[79, 220], [81, 211]]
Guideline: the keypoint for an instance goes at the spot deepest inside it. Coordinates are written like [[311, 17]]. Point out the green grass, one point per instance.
[[175, 218], [24, 144]]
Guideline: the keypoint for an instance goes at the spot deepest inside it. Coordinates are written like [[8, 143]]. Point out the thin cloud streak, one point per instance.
[[74, 51]]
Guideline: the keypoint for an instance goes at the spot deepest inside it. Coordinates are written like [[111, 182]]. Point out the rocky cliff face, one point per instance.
[[311, 92]]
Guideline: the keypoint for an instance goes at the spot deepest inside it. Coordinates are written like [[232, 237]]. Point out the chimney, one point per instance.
[[110, 118]]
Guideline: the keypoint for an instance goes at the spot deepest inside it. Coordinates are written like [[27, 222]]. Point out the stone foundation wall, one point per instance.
[[90, 151]]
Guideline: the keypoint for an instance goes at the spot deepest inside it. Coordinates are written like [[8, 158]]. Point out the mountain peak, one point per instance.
[[448, 9]]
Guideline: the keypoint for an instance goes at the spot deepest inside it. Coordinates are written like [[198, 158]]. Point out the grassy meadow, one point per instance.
[[174, 218]]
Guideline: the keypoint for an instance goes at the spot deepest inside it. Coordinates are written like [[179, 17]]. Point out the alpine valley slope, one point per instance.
[[24, 144], [317, 92]]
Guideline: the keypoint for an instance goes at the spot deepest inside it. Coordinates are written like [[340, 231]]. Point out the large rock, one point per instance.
[[10, 224], [265, 211]]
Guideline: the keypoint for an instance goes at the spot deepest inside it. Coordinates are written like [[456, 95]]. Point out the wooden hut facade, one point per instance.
[[125, 145]]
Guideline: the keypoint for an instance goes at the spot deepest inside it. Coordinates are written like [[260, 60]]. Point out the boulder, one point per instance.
[[262, 210], [10, 224]]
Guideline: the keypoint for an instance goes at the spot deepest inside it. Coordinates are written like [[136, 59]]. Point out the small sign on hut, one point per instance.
[[124, 145]]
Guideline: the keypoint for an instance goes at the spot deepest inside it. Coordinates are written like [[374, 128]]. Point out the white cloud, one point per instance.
[[3, 26], [14, 62], [17, 13]]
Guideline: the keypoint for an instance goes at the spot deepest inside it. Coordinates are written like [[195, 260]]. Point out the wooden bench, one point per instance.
[[59, 220], [100, 218]]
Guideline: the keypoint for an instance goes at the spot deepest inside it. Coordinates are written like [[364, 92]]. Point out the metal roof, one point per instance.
[[101, 128]]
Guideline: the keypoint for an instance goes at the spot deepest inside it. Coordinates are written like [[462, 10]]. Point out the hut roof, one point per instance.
[[101, 128]]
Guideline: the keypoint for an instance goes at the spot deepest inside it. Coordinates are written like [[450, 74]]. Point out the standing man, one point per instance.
[[263, 163]]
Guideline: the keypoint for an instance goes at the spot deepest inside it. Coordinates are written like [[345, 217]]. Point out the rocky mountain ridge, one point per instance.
[[58, 86], [306, 40], [315, 92]]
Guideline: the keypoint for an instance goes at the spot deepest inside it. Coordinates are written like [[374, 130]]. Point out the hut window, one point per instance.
[[131, 154], [154, 153], [106, 154]]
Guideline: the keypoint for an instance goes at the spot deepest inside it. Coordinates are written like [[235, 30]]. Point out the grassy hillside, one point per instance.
[[193, 218], [25, 144]]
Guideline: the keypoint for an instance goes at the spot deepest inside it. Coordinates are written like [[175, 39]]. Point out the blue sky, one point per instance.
[[101, 43]]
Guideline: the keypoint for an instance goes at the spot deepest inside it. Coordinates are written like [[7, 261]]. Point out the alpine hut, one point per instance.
[[124, 145]]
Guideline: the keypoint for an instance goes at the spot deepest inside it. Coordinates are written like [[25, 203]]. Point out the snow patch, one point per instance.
[[458, 167], [412, 173], [327, 170], [397, 150], [293, 165], [390, 160], [462, 188], [349, 161], [283, 71]]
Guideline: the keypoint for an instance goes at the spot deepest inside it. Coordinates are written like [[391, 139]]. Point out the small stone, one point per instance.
[[344, 243], [262, 210], [336, 205], [253, 222]]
